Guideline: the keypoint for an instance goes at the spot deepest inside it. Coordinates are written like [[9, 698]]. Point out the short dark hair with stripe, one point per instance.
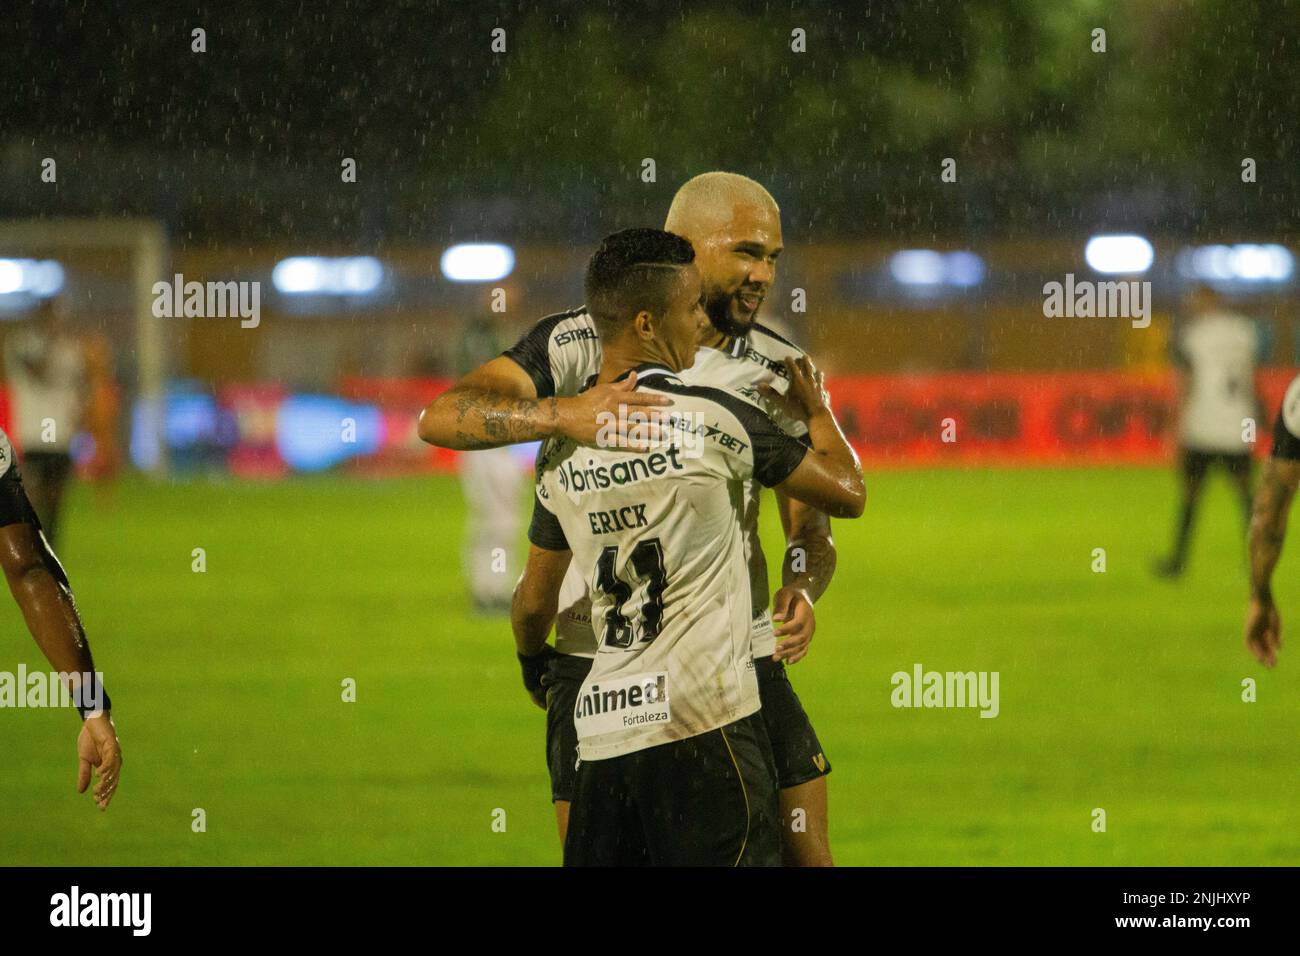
[[633, 270]]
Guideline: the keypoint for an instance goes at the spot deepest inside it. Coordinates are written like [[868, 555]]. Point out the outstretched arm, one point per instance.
[[497, 404], [40, 587], [1267, 534]]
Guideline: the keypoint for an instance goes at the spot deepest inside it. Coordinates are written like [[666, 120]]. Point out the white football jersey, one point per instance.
[[14, 505], [561, 353], [54, 398], [1219, 352], [8, 460], [656, 539], [1286, 430]]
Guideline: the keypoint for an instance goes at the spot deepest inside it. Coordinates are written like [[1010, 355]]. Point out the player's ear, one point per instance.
[[644, 323]]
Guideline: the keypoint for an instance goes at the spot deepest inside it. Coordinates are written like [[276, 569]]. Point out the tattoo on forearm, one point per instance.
[[1267, 532], [809, 564], [489, 420]]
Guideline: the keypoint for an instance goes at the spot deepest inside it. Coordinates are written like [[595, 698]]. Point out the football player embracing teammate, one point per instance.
[[547, 385], [676, 767]]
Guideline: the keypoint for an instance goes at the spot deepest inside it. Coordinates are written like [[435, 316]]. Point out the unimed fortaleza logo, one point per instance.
[[622, 702], [922, 688], [75, 909], [1085, 299], [208, 300]]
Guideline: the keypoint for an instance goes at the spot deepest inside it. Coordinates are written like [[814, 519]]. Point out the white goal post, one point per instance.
[[144, 242]]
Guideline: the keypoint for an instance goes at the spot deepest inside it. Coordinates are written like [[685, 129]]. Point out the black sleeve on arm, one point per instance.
[[1285, 444], [776, 454], [14, 506], [532, 353], [544, 530]]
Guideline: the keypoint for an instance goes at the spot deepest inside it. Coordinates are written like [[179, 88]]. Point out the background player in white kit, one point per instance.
[[1215, 352], [735, 226], [45, 368], [492, 481], [675, 766]]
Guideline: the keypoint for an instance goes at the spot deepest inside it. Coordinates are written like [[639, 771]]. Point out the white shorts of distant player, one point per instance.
[[491, 481]]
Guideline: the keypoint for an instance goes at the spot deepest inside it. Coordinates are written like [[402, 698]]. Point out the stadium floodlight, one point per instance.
[[41, 278], [917, 267], [361, 275], [11, 277], [1262, 263], [478, 262], [324, 275], [964, 269], [927, 269], [1244, 262], [1208, 263], [45, 278], [1119, 254]]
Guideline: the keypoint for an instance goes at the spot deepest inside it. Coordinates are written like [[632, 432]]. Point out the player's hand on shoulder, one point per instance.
[[98, 747], [792, 612], [612, 415], [1263, 630], [806, 395]]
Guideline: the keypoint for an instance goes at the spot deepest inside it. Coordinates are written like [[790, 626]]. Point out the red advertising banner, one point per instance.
[[399, 401], [1006, 418], [254, 409], [1031, 419], [1022, 418]]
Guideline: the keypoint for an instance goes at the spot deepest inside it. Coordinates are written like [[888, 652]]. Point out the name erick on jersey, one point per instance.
[[561, 353], [656, 537]]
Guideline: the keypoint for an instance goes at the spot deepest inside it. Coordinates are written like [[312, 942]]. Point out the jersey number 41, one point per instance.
[[621, 627]]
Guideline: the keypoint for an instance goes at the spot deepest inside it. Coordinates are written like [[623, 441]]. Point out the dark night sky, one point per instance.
[[247, 137]]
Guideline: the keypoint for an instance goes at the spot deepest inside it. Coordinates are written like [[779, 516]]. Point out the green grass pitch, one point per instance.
[[1117, 691]]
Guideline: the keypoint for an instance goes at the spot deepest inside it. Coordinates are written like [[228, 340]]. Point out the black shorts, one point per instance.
[[795, 747], [708, 800], [564, 675], [1197, 463], [48, 469]]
